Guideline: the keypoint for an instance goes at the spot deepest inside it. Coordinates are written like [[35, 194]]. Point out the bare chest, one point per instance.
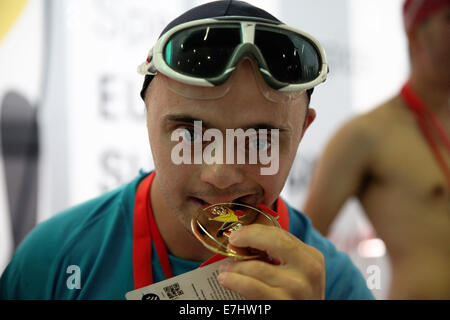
[[405, 160]]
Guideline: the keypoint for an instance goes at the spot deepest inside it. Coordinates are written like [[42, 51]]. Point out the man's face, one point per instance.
[[435, 38], [187, 187]]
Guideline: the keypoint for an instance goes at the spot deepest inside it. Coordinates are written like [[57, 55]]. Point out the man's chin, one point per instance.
[[187, 211]]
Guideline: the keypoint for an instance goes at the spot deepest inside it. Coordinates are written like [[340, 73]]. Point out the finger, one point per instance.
[[248, 287], [277, 243], [262, 271], [281, 282]]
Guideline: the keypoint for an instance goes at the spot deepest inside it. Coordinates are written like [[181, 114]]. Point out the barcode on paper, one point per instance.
[[173, 291]]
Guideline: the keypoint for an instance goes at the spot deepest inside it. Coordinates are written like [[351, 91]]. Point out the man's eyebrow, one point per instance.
[[268, 126], [189, 119], [184, 118]]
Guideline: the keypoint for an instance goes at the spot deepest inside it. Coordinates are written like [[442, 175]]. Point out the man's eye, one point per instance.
[[190, 135], [259, 143]]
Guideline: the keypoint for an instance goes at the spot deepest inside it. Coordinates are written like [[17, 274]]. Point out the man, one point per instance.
[[396, 159], [219, 74]]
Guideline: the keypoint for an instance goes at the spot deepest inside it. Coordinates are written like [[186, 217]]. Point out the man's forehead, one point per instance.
[[237, 109]]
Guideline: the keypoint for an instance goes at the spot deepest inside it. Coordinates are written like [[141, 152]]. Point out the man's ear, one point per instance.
[[309, 119]]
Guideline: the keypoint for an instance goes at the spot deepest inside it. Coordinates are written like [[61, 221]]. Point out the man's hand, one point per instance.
[[300, 273]]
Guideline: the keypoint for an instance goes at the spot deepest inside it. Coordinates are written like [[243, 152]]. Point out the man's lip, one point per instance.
[[248, 200], [203, 204]]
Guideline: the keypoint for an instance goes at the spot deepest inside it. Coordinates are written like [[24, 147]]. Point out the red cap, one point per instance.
[[416, 11]]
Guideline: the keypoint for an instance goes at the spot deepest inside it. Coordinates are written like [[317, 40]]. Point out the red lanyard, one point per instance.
[[145, 231], [430, 126]]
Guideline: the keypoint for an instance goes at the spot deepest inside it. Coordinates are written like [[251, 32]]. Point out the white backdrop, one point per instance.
[[93, 134], [21, 48]]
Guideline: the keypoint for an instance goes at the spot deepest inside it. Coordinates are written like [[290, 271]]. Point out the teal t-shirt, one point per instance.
[[95, 241]]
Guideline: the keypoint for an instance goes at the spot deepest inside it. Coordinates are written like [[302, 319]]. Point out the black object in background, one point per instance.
[[20, 149]]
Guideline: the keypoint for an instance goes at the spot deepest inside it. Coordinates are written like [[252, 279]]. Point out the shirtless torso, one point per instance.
[[383, 159]]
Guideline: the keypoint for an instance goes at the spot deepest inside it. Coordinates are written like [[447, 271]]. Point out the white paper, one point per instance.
[[199, 284]]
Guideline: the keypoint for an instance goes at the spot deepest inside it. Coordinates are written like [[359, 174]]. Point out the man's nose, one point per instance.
[[222, 176], [248, 71]]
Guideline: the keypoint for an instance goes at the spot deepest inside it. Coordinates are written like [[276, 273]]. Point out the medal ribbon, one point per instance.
[[430, 126], [145, 232]]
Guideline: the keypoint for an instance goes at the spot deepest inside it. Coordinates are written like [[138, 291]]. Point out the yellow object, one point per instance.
[[9, 12], [229, 217]]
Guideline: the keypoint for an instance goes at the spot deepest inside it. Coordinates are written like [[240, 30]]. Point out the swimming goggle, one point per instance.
[[204, 53]]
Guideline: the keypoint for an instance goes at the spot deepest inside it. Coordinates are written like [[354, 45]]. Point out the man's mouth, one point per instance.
[[247, 199], [202, 203]]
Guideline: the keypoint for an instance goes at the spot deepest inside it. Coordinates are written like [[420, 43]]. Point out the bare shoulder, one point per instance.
[[390, 113], [370, 128]]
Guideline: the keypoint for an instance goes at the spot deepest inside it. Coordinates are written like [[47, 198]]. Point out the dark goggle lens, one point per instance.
[[290, 57], [202, 51]]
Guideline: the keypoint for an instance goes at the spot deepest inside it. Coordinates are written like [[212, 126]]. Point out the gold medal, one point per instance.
[[213, 225]]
